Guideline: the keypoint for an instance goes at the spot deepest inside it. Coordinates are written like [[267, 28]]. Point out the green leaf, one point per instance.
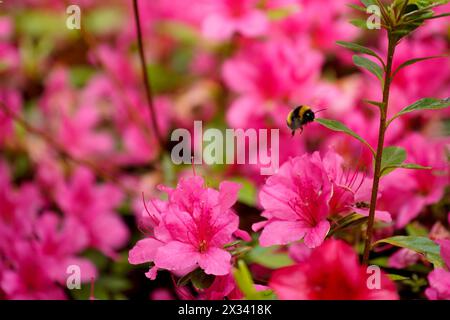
[[340, 127], [392, 157], [368, 2], [350, 220], [414, 166], [415, 229], [422, 245], [361, 49], [423, 104], [269, 257], [201, 280], [397, 277], [375, 103], [245, 283], [359, 23], [357, 7], [413, 61], [410, 166], [371, 66]]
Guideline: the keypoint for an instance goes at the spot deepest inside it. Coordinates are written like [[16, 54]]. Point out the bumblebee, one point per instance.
[[300, 116]]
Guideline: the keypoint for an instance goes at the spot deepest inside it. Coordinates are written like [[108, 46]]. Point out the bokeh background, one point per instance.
[[78, 148]]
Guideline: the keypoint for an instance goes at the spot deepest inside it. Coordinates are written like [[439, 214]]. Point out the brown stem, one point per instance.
[[148, 88], [379, 154]]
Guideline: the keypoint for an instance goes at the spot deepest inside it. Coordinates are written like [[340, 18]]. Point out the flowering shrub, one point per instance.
[[93, 205]]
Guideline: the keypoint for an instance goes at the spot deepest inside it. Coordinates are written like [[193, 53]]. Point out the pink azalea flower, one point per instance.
[[93, 207], [407, 192], [332, 272], [439, 278], [295, 202], [351, 189], [235, 16], [190, 229], [60, 244]]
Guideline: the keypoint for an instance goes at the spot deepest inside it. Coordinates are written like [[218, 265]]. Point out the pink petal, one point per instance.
[[380, 215], [315, 236], [228, 194], [176, 255], [215, 261], [253, 24], [259, 225], [242, 235], [144, 251], [217, 27], [152, 273], [281, 232]]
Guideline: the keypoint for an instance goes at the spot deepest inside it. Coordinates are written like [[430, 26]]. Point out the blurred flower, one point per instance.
[[234, 16], [439, 278], [407, 192], [332, 272], [93, 207], [267, 75]]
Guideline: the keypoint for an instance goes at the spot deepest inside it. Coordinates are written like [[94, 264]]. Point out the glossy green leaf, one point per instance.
[[375, 103], [422, 245], [369, 65], [392, 158], [358, 48], [397, 277], [368, 2], [359, 23], [413, 61], [245, 283], [340, 127], [423, 104]]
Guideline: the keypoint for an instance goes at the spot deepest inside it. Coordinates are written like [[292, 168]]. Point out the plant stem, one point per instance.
[[148, 88], [379, 153]]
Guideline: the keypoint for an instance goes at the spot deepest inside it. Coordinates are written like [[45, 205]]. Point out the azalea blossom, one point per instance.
[[332, 272], [307, 190], [230, 16], [407, 192], [295, 202], [190, 229]]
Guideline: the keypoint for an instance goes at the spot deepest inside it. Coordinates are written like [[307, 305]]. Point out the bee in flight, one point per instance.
[[299, 117]]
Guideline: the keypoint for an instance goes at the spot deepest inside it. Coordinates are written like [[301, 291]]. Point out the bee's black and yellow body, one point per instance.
[[299, 117]]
